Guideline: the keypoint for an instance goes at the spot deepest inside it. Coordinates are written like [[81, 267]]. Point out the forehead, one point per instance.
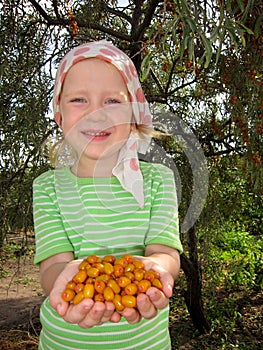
[[94, 66], [92, 70]]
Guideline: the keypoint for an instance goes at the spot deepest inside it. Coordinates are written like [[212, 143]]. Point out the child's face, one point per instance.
[[95, 111]]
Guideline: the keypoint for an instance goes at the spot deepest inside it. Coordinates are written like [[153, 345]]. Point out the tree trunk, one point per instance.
[[193, 294]]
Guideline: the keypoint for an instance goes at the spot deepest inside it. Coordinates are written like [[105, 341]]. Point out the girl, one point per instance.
[[105, 202]]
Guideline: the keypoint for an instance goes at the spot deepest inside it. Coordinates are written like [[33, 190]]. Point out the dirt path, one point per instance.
[[20, 291]]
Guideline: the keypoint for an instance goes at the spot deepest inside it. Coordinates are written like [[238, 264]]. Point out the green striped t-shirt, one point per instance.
[[97, 216]]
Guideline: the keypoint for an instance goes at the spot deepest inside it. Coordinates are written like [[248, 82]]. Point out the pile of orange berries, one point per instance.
[[118, 280]]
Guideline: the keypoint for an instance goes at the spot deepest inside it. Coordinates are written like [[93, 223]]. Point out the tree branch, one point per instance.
[[157, 81], [55, 5], [41, 11], [117, 13], [84, 24], [169, 81], [106, 30], [139, 30]]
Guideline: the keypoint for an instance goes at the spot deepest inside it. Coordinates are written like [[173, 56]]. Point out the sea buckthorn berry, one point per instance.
[[108, 294], [128, 258], [129, 268], [78, 298], [108, 268], [84, 265], [123, 281], [114, 286], [129, 301], [80, 276], [89, 280], [99, 297], [99, 286], [118, 270], [139, 274], [99, 266], [93, 259], [109, 258], [105, 278], [71, 285], [117, 302], [88, 291], [143, 286], [157, 284], [130, 275], [149, 275], [121, 261], [138, 264], [157, 274], [68, 295], [79, 287], [93, 272], [131, 289]]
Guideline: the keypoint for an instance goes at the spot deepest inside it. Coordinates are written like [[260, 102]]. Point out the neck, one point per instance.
[[93, 168]]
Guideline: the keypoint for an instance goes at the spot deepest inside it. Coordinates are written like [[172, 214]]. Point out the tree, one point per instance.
[[200, 60]]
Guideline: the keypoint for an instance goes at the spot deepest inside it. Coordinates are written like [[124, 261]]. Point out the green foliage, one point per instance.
[[235, 260]]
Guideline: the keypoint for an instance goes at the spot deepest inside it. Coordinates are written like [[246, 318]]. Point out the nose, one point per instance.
[[96, 112]]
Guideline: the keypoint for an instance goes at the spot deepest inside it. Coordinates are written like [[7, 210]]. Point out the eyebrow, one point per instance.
[[106, 92]]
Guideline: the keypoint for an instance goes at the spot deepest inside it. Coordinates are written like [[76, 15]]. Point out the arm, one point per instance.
[[51, 268]]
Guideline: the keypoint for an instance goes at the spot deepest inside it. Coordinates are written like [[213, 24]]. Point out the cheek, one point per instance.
[[120, 114], [69, 118], [124, 131], [68, 125]]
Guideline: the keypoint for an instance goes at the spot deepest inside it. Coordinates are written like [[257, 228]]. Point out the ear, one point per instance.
[[58, 118]]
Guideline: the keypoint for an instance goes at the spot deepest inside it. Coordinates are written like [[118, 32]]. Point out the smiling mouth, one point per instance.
[[95, 134], [91, 133]]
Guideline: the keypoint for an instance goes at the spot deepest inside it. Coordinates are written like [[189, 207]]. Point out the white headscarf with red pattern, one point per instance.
[[127, 168]]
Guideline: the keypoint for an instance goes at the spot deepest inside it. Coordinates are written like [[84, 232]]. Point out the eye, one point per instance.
[[78, 100], [112, 101]]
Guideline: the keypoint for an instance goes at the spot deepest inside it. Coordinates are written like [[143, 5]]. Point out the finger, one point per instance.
[[116, 317], [158, 299], [95, 315], [168, 283], [77, 313], [132, 316], [108, 312], [145, 306], [58, 303]]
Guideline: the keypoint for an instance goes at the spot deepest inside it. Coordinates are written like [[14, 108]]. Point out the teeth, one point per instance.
[[96, 133]]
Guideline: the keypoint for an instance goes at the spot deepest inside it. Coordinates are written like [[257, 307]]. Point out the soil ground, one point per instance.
[[21, 297]]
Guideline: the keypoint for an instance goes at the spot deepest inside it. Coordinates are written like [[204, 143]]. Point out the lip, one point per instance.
[[95, 135]]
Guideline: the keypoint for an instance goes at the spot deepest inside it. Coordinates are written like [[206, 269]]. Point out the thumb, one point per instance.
[[56, 301]]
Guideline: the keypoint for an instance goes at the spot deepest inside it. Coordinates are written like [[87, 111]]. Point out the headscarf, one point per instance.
[[127, 168]]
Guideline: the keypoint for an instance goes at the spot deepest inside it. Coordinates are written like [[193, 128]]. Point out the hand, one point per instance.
[[148, 304], [87, 313]]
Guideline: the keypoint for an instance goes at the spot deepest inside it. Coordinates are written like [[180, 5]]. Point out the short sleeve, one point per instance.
[[50, 234], [164, 221]]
